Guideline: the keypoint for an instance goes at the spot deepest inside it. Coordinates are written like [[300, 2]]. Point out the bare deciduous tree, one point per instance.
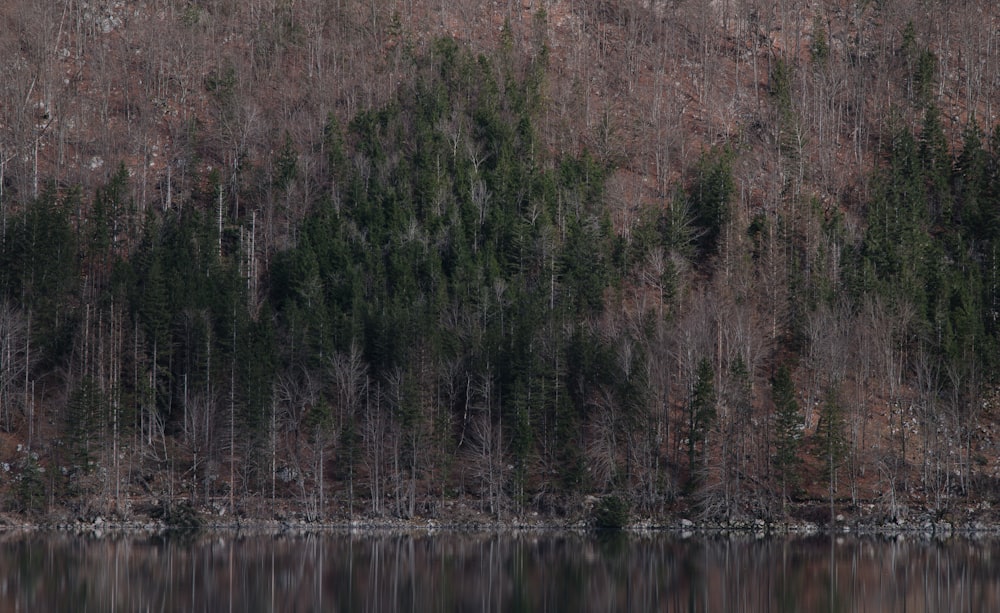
[[15, 362]]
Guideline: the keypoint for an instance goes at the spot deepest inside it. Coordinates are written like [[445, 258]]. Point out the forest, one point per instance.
[[328, 260]]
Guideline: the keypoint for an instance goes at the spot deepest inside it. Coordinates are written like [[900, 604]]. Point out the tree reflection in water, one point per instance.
[[543, 571]]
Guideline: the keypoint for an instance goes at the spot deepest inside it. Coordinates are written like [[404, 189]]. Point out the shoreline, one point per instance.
[[589, 516], [684, 528]]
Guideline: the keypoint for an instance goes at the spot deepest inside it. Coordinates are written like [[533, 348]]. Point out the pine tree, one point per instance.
[[935, 166], [787, 426], [971, 185], [709, 197], [832, 441], [701, 412], [82, 426]]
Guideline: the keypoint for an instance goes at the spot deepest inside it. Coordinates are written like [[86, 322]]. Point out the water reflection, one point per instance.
[[486, 572]]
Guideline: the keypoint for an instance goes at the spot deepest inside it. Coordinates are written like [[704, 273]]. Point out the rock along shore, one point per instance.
[[926, 527]]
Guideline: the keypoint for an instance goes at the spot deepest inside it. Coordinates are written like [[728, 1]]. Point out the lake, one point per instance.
[[536, 571]]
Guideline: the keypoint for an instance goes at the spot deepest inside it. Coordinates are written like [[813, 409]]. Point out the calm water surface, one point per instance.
[[489, 572]]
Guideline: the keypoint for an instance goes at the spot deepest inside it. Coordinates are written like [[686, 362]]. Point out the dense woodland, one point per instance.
[[335, 259]]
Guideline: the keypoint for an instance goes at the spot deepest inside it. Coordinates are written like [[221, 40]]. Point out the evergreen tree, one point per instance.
[[832, 441], [787, 429], [709, 197], [897, 238], [935, 166], [971, 186], [82, 426], [701, 413], [39, 269]]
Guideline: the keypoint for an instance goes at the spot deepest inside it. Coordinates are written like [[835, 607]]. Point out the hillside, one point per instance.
[[388, 258]]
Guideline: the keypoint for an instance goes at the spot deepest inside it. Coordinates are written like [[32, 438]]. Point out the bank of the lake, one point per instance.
[[804, 519]]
